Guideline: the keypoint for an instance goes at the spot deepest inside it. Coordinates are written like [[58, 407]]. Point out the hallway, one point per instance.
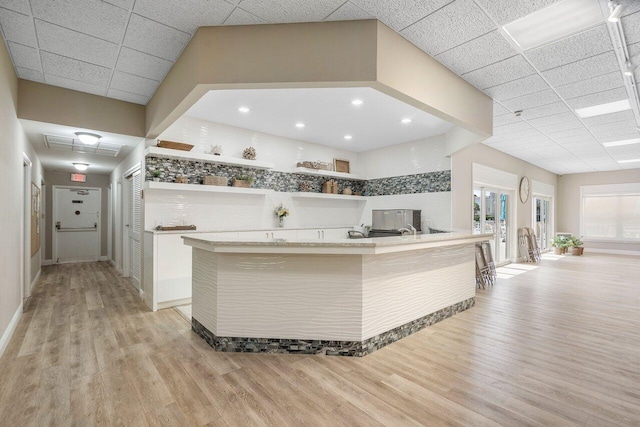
[[555, 345]]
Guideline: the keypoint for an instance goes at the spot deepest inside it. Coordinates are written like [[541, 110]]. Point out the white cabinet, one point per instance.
[[310, 234], [336, 233]]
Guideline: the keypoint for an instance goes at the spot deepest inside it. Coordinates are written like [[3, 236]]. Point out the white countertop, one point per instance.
[[377, 245]]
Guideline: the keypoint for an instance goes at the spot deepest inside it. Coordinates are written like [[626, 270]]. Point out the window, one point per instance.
[[610, 216]]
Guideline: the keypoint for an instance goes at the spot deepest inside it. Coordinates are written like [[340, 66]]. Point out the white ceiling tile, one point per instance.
[[533, 100], [595, 84], [185, 15], [609, 118], [505, 11], [133, 84], [72, 44], [27, 74], [581, 70], [72, 69], [605, 97], [129, 97], [124, 4], [502, 72], [75, 85], [18, 28], [94, 17], [567, 117], [617, 135], [571, 49], [25, 56], [454, 24], [20, 6], [153, 38], [399, 14], [510, 128], [499, 110], [604, 127], [544, 110], [291, 10], [242, 17], [350, 12], [524, 86], [631, 27], [141, 64], [505, 120], [477, 53]]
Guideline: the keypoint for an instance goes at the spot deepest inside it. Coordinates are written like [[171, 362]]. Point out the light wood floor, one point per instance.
[[558, 345]]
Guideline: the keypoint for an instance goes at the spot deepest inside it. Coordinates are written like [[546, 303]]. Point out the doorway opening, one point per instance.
[[25, 252], [542, 217], [491, 214]]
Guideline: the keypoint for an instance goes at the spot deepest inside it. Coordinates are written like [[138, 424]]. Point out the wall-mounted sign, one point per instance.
[[78, 177]]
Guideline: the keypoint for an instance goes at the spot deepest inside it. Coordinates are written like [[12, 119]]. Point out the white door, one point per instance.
[[76, 214], [134, 184]]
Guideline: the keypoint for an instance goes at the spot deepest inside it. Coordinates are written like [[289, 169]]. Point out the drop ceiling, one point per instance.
[[124, 48]]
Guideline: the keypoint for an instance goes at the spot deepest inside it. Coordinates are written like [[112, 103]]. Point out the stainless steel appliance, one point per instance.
[[392, 222]]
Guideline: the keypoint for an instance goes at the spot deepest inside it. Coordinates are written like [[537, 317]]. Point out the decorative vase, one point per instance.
[[280, 222], [156, 179]]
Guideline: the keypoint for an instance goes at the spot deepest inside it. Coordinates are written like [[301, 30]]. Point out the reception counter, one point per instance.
[[338, 297]]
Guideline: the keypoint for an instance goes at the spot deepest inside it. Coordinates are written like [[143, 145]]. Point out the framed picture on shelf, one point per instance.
[[340, 165]]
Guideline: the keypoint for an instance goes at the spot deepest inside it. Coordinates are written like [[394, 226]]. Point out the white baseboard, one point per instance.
[[33, 283], [11, 328], [103, 258], [46, 262], [112, 263], [611, 251]]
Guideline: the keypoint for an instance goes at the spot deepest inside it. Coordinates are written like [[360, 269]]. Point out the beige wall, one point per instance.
[[64, 179], [13, 143], [569, 202], [52, 104], [462, 182]]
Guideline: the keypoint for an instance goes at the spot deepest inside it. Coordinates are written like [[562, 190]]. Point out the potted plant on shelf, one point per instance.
[[281, 212], [242, 181], [575, 245], [155, 174], [559, 244]]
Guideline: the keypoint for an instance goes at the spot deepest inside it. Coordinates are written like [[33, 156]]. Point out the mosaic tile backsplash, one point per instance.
[[290, 182]]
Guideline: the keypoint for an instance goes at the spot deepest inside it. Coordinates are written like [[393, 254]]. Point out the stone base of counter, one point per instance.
[[330, 348]]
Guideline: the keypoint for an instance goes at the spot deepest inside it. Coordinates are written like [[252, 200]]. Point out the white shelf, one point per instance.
[[167, 153], [306, 195], [172, 186], [330, 174]]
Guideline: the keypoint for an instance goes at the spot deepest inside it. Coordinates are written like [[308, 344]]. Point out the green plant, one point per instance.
[[248, 178], [156, 173], [560, 242], [574, 242]]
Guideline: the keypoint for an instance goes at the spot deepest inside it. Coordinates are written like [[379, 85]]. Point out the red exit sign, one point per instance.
[[78, 177]]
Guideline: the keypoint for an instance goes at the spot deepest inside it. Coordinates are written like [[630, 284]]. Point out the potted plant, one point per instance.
[[559, 244], [242, 181], [155, 174], [575, 245], [281, 212]]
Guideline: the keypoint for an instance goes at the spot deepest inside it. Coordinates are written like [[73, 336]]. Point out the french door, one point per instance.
[[542, 221], [491, 215]]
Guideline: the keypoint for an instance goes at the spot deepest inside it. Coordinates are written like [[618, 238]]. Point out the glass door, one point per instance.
[[491, 215], [542, 221]]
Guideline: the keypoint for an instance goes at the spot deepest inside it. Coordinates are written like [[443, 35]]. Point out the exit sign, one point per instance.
[[78, 177]]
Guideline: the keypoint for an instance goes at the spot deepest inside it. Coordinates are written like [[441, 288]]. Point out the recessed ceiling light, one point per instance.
[[406, 120], [348, 137], [629, 68], [553, 22], [629, 161], [598, 110], [357, 102], [615, 10], [88, 138], [80, 166], [300, 125], [622, 142], [244, 109]]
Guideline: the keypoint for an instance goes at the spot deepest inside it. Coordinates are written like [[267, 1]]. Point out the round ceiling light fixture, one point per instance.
[[244, 109], [406, 120], [81, 166], [357, 102], [348, 137], [300, 125], [88, 138]]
